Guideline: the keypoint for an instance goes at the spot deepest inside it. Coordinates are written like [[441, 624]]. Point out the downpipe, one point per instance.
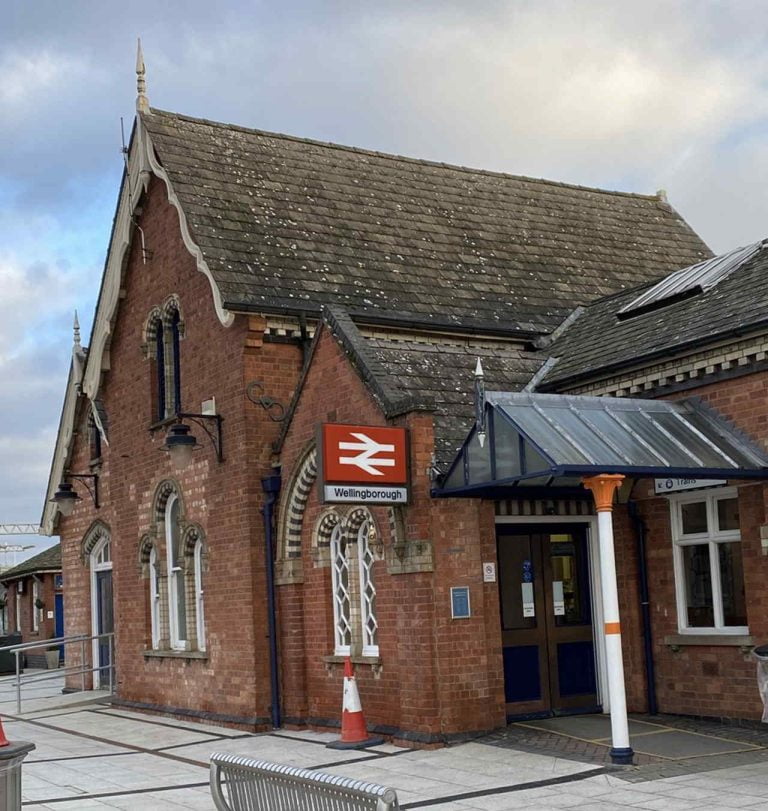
[[271, 487], [645, 606]]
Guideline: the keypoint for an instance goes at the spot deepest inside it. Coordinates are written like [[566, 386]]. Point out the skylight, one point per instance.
[[690, 281]]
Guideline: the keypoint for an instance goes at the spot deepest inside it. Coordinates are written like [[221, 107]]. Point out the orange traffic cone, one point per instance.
[[3, 740], [354, 734]]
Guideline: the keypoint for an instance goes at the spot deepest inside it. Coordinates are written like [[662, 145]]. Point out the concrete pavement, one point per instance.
[[92, 756]]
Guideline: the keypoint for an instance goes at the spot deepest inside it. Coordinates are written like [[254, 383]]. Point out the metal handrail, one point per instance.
[[45, 643], [72, 671]]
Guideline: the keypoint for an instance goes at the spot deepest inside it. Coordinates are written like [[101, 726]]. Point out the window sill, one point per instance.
[[164, 423], [176, 654], [710, 640], [374, 662]]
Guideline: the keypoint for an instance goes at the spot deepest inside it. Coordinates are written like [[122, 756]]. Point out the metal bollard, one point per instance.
[[11, 757]]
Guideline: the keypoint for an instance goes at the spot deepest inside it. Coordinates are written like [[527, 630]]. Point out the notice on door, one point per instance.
[[557, 598], [529, 607]]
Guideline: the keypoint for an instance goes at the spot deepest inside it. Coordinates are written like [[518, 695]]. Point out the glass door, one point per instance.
[[546, 618]]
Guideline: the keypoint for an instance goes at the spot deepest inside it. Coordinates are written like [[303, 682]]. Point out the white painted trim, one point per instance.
[[594, 585], [711, 538], [141, 165]]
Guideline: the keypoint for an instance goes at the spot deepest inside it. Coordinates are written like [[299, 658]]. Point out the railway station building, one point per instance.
[[499, 440]]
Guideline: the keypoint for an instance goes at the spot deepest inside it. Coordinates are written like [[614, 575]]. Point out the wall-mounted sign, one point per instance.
[[460, 602], [363, 463], [676, 485], [489, 572]]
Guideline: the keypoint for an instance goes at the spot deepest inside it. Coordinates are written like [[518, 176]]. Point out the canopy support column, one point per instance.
[[603, 487]]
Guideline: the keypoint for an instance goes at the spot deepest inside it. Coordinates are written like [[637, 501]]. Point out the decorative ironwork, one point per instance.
[[255, 393]]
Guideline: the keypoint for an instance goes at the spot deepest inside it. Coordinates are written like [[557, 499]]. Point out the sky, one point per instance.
[[663, 94]]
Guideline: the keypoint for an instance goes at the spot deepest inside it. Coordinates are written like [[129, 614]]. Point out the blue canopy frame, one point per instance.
[[538, 441]]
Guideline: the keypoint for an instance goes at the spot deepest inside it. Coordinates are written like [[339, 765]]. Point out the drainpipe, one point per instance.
[[645, 606], [271, 487]]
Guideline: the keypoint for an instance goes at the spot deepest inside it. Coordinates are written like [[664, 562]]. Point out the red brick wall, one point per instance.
[[717, 681], [438, 676], [47, 592], [223, 498]]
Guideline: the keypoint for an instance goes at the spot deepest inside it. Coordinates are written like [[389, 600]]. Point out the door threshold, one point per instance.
[[537, 716]]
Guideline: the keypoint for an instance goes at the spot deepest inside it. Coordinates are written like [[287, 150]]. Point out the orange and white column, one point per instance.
[[603, 487]]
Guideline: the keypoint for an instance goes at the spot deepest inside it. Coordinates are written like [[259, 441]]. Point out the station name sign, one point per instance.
[[676, 485], [363, 464]]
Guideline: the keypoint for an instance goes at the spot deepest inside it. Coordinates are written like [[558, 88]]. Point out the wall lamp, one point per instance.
[[66, 497], [180, 443]]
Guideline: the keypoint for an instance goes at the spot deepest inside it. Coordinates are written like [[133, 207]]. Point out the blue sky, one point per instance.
[[615, 94]]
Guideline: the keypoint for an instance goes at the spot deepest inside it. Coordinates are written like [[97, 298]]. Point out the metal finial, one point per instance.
[[142, 102], [76, 332], [480, 403]]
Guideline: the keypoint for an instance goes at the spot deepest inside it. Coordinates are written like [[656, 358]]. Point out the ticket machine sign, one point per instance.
[[364, 463]]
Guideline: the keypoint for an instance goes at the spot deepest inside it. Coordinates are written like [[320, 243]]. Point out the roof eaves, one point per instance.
[[665, 352]]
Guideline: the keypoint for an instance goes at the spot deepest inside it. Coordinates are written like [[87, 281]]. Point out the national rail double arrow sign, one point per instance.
[[364, 455]]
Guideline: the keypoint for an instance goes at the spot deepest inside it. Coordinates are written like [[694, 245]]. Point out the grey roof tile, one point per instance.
[[47, 560], [598, 341], [288, 223]]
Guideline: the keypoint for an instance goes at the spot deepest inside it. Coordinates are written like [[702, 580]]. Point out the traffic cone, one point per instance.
[[354, 734], [3, 740]]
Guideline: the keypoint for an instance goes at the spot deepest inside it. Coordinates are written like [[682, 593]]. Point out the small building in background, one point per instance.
[[34, 600]]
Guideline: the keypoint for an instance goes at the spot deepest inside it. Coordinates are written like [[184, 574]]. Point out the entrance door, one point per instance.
[[104, 621], [546, 620], [58, 608]]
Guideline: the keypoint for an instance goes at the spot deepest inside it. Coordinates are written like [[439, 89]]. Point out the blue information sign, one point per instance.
[[460, 602]]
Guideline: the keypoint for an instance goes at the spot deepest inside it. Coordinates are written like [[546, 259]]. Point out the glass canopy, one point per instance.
[[546, 439]]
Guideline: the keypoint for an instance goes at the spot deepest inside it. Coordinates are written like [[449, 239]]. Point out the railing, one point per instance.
[[242, 784], [82, 640]]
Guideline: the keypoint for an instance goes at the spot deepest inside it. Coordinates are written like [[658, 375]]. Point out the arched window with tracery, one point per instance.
[[352, 544], [342, 599], [366, 534], [164, 331]]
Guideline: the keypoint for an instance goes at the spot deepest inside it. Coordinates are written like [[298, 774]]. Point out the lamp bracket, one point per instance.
[[93, 490], [213, 432]]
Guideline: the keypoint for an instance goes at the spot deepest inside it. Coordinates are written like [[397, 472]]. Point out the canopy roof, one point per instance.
[[544, 439]]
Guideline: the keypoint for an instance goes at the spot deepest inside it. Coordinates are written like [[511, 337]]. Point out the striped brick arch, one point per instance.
[[294, 505]]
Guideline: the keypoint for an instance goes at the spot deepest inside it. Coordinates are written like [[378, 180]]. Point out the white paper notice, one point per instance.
[[557, 597], [529, 609]]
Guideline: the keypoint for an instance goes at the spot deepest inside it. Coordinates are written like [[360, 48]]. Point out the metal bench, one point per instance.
[[242, 784]]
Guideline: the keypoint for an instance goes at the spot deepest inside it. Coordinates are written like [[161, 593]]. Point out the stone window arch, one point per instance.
[[291, 517], [96, 533]]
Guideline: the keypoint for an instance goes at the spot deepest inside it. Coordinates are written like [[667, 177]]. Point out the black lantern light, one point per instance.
[[66, 496]]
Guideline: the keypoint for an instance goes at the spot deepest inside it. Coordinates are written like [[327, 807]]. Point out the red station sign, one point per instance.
[[364, 463]]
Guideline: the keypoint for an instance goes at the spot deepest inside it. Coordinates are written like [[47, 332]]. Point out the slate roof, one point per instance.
[[597, 342], [437, 375], [292, 224], [46, 561]]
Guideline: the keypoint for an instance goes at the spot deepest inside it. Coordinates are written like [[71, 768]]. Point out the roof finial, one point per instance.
[[142, 102], [76, 333]]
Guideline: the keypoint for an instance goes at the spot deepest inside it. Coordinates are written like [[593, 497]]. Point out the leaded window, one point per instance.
[[342, 602], [370, 627]]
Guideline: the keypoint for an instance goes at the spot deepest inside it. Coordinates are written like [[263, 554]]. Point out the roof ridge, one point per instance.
[[407, 159]]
